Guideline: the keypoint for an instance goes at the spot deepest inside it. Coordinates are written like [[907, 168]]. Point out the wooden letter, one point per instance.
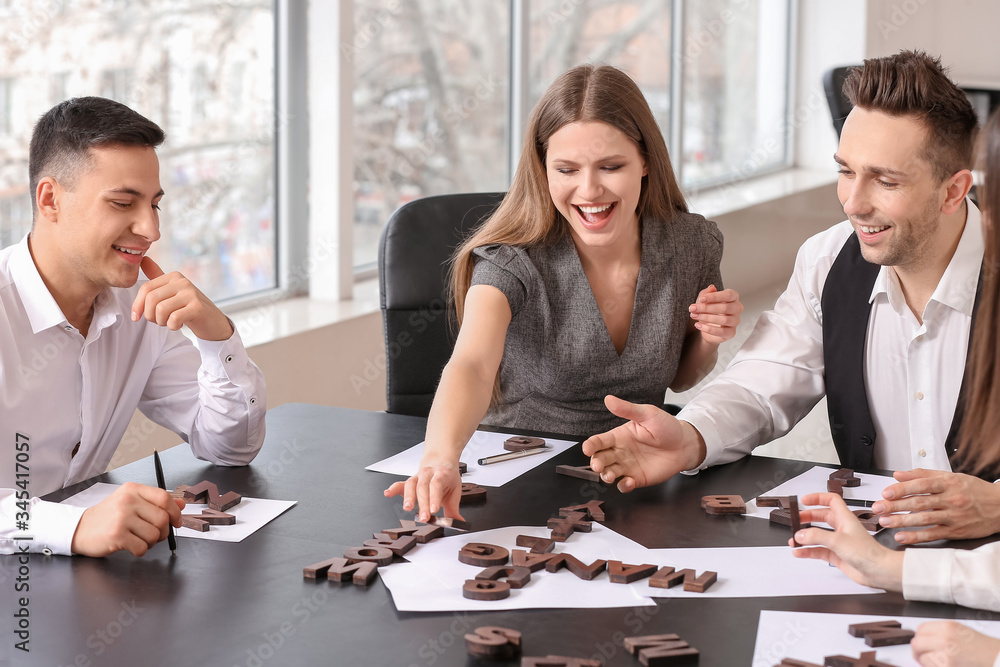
[[423, 532], [538, 545], [493, 643], [517, 577], [581, 472], [472, 493], [398, 546], [667, 577], [723, 505], [519, 443], [208, 492], [881, 633], [773, 501], [867, 659], [575, 518], [534, 562], [201, 522], [794, 515], [476, 589], [655, 650], [339, 569], [483, 555], [378, 555], [622, 573], [575, 565], [847, 475], [867, 518], [592, 509]]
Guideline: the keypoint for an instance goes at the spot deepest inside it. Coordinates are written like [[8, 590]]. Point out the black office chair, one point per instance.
[[840, 106], [413, 255]]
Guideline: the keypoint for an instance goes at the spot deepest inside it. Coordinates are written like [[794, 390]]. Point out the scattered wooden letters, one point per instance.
[[208, 492]]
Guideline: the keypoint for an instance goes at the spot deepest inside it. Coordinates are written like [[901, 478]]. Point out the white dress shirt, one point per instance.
[[954, 576], [913, 371], [71, 398]]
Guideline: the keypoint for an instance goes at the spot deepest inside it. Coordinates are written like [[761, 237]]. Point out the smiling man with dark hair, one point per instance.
[[83, 344], [877, 317]]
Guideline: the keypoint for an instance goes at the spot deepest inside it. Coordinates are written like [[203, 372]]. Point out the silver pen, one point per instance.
[[512, 455]]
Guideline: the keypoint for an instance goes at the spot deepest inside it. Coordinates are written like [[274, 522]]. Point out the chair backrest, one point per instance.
[[413, 253], [840, 106]]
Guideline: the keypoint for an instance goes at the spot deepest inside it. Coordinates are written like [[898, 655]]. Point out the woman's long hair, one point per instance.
[[979, 449], [527, 215]]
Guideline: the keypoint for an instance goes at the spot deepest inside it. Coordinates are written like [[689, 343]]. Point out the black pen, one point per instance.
[[171, 542], [512, 455], [857, 502]]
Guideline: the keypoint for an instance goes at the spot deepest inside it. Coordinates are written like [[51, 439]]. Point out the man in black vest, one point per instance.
[[877, 317]]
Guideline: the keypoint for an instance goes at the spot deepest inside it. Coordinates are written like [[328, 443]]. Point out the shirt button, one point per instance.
[[229, 359], [919, 395], [921, 453], [68, 328], [253, 401]]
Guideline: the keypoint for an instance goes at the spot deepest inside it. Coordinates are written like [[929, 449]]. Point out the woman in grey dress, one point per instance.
[[590, 279]]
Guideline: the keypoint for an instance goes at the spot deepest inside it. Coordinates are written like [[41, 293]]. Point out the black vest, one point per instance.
[[846, 310]]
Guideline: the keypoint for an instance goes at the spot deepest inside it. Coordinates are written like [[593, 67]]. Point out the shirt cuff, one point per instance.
[[53, 526], [225, 358], [927, 575], [706, 427]]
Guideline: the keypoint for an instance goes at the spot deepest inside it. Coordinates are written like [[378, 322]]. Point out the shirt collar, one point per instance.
[[959, 283], [40, 306]]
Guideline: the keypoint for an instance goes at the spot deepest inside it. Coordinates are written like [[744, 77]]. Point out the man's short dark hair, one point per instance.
[[63, 137], [912, 83]]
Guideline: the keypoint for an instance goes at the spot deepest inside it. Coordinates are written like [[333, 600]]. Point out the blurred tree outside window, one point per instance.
[[205, 73]]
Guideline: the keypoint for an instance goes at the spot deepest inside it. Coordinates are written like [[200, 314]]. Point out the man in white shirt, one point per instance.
[[889, 353], [82, 344]]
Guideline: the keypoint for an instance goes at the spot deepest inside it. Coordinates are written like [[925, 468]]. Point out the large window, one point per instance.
[[435, 81], [735, 63], [431, 105], [205, 73]]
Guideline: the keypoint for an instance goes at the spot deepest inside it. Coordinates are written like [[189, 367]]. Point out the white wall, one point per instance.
[[831, 34], [962, 32]]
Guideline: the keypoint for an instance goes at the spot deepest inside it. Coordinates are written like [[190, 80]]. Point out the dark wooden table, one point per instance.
[[247, 603]]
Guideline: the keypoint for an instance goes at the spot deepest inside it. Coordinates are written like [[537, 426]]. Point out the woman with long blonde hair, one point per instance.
[[590, 279]]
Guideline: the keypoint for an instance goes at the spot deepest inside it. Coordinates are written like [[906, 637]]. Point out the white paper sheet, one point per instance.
[[251, 514], [746, 572], [433, 579], [481, 445], [814, 481], [812, 637]]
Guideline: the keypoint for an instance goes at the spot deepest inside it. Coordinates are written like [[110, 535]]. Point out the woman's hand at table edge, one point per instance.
[[437, 484]]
